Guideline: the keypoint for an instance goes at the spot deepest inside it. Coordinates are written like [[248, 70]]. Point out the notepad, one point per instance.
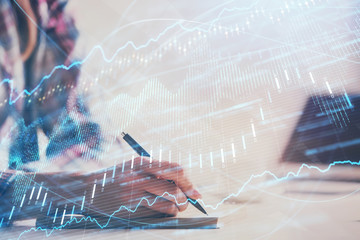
[[67, 222]]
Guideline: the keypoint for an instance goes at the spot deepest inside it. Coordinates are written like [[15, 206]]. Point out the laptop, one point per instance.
[[328, 133]]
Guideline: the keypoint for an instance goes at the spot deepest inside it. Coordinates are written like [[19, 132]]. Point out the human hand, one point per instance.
[[141, 190]]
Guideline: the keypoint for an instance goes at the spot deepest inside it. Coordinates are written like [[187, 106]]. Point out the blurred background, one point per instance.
[[218, 87]]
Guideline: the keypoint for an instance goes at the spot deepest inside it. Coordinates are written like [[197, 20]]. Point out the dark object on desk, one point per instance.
[[328, 131], [118, 223]]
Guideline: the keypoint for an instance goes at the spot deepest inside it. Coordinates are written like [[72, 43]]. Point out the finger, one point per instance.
[[137, 198], [136, 163], [165, 170], [173, 171], [109, 202], [141, 212], [159, 204], [167, 190]]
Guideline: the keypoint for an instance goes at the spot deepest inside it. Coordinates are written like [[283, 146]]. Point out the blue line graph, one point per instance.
[[109, 60], [220, 74], [179, 23], [288, 176]]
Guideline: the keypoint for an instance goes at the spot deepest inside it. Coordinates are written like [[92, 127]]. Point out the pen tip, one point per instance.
[[123, 134]]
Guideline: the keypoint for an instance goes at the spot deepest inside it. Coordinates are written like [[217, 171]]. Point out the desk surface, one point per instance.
[[289, 210]]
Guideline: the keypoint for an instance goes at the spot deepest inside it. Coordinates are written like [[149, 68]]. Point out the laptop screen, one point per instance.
[[328, 131]]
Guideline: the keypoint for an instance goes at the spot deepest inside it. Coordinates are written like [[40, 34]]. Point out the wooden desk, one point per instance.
[[289, 210]]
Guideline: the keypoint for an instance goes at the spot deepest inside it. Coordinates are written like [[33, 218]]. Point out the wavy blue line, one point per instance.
[[129, 43], [286, 177]]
